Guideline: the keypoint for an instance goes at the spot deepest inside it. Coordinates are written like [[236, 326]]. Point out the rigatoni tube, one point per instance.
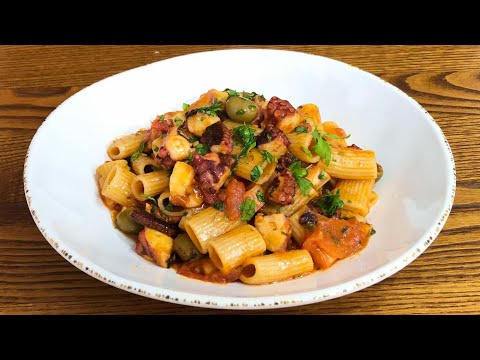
[[150, 184], [231, 249], [125, 146], [352, 164], [118, 185], [276, 267], [356, 195], [207, 224]]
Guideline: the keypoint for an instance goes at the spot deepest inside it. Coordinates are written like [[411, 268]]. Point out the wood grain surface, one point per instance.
[[35, 279]]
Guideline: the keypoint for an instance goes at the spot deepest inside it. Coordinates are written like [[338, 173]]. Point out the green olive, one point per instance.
[[241, 109], [184, 247], [379, 172], [126, 224]]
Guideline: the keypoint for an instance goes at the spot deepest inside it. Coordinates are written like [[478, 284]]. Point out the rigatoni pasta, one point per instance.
[[235, 187]]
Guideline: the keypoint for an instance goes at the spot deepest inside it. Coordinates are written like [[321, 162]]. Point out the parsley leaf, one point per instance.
[[169, 207], [329, 203], [255, 173], [306, 151], [156, 149], [299, 174], [333, 136], [231, 93], [148, 197], [139, 152], [185, 106], [322, 147], [248, 209], [268, 156], [178, 121], [162, 117], [260, 196], [301, 129], [202, 149], [192, 140], [219, 206], [213, 109], [247, 135], [189, 158], [322, 175], [240, 112], [269, 137]]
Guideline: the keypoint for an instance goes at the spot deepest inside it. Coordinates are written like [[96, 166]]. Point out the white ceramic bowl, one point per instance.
[[415, 193]]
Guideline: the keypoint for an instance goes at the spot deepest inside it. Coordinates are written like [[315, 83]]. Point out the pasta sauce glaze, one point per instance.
[[204, 269]]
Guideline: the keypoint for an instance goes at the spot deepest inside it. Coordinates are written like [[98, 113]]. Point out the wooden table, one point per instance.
[[35, 279]]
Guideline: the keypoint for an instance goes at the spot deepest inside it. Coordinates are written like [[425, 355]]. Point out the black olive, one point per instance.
[[308, 219]]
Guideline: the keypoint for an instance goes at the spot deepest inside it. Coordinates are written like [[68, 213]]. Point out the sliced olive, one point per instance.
[[184, 247], [241, 109], [379, 172], [126, 224]]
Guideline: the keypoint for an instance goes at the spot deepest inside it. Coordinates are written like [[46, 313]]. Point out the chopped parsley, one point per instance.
[[301, 129], [373, 232], [189, 158], [329, 203], [240, 112], [299, 174], [322, 147], [267, 156], [219, 206], [148, 197], [139, 152], [162, 117], [169, 207], [322, 175], [192, 140], [260, 196], [333, 136], [231, 93], [178, 121], [185, 106], [247, 135], [269, 137], [213, 109], [255, 173], [156, 149], [202, 149], [306, 151], [248, 209]]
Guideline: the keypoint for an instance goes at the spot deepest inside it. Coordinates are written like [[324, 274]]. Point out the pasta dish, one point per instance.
[[235, 187]]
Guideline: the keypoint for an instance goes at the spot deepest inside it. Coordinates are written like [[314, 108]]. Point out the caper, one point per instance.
[[379, 172], [184, 247], [241, 109], [126, 224]]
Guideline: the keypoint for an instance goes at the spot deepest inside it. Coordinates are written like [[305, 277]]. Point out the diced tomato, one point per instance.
[[336, 239], [234, 198]]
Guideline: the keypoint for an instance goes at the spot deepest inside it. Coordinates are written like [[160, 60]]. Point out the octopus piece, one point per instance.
[[282, 114], [278, 109], [271, 133], [160, 127], [211, 172], [218, 138], [164, 160], [284, 162], [282, 189], [150, 221]]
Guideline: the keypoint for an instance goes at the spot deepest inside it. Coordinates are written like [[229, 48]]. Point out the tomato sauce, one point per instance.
[[204, 269]]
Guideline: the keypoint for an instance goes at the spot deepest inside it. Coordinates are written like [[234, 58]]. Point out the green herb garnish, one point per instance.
[[189, 158], [231, 93], [219, 206], [306, 151], [139, 152], [299, 174], [322, 147], [213, 109], [322, 175], [202, 149], [247, 135], [240, 112], [185, 106], [178, 121], [329, 203], [268, 156], [192, 140], [255, 173], [162, 117], [169, 207], [260, 196], [248, 209], [301, 129]]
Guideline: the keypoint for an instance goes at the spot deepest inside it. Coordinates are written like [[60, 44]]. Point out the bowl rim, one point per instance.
[[248, 303]]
